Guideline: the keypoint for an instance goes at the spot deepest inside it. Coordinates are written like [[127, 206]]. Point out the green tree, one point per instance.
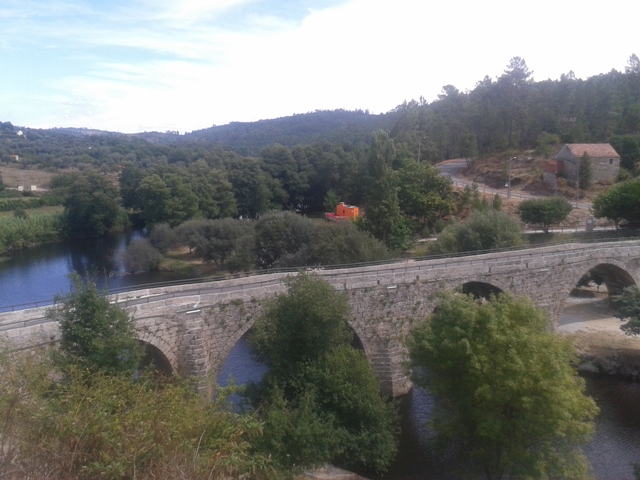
[[141, 256], [1, 183], [334, 243], [301, 326], [215, 240], [545, 144], [331, 201], [620, 202], [154, 195], [628, 309], [282, 237], [290, 172], [91, 206], [544, 211], [506, 390], [213, 191], [484, 230], [129, 181], [382, 206], [628, 146], [497, 202], [586, 172], [321, 398], [252, 187], [95, 334], [163, 237], [424, 194]]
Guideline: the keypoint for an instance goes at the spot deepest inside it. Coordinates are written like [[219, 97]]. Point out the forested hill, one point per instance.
[[509, 112], [515, 112], [62, 147], [335, 126]]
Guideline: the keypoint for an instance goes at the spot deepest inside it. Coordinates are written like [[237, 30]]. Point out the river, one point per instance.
[[38, 274]]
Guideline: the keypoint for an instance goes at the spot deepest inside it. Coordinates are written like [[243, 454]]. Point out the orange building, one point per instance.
[[344, 212]]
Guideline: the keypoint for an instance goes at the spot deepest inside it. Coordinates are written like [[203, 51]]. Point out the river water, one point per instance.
[[37, 274], [40, 273]]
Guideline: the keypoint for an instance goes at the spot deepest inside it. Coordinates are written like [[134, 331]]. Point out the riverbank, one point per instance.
[[595, 331]]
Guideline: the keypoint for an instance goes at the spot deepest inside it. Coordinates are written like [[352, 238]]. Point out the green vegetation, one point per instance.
[[112, 427], [628, 310], [507, 393], [621, 202], [10, 203], [91, 205], [320, 398], [21, 232], [544, 211], [585, 173], [95, 335], [277, 239], [484, 230], [86, 415], [141, 256]]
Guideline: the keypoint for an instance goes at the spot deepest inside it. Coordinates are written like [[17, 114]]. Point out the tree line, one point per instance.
[[510, 111]]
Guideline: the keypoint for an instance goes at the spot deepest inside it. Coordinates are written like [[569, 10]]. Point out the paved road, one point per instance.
[[453, 169]]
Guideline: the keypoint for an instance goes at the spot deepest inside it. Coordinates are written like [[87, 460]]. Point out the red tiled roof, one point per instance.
[[594, 150]]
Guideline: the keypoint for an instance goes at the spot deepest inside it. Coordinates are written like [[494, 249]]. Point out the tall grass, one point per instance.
[[79, 427], [17, 233]]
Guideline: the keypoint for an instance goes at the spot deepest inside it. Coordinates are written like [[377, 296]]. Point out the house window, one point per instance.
[[611, 161]]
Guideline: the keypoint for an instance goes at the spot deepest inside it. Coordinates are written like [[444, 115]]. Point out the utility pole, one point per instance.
[[578, 165], [509, 177]]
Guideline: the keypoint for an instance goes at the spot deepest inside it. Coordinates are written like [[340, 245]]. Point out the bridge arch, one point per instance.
[[482, 290], [154, 357], [615, 276], [158, 353], [220, 358]]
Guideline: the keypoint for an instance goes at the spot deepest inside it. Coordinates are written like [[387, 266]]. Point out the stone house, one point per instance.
[[605, 161]]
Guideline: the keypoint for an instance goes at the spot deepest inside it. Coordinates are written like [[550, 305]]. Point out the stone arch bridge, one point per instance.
[[194, 327]]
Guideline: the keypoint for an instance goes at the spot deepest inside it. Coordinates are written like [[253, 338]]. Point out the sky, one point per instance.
[[182, 65]]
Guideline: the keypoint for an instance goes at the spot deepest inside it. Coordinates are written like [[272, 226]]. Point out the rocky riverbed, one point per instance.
[[603, 347]]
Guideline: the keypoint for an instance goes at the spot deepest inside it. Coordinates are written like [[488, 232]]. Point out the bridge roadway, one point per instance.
[[192, 328]]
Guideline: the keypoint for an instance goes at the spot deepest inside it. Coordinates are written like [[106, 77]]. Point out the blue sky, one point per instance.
[[144, 65]]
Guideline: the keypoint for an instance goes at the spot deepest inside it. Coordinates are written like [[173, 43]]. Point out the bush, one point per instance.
[[141, 256], [482, 231], [113, 428], [17, 232], [163, 237]]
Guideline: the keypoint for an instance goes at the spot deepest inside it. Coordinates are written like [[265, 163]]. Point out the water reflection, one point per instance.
[[612, 452], [37, 274]]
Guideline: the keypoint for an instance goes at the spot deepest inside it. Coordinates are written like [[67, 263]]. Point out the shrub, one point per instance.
[[112, 427], [482, 231], [163, 237], [141, 256]]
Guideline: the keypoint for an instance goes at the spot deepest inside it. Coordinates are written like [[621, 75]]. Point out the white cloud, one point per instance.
[[168, 64]]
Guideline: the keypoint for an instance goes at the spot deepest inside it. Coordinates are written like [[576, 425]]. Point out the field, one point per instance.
[[13, 177]]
